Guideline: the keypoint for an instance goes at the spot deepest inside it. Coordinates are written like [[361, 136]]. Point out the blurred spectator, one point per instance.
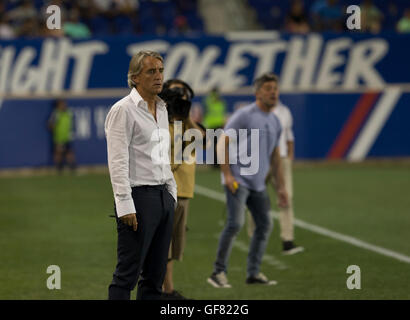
[[83, 18], [74, 28], [181, 25], [215, 110], [103, 6], [215, 115], [30, 28], [125, 16], [6, 31], [403, 25], [296, 20], [196, 113], [126, 6], [23, 12], [327, 15], [371, 17], [60, 124]]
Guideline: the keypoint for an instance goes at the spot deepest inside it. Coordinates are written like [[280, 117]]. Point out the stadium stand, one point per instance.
[[25, 18], [105, 17], [272, 14]]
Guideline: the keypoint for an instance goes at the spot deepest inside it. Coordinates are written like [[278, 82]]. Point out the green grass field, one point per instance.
[[63, 220]]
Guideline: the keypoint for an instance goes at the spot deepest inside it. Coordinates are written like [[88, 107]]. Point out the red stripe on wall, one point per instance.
[[352, 125]]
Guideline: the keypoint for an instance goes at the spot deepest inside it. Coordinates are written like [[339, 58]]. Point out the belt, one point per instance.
[[161, 188], [151, 187]]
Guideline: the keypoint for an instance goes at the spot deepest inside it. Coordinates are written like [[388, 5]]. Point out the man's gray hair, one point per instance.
[[266, 77], [136, 64]]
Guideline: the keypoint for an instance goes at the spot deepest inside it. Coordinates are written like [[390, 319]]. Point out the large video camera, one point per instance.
[[177, 95]]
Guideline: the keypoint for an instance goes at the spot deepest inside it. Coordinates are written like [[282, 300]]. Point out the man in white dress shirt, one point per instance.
[[144, 188]]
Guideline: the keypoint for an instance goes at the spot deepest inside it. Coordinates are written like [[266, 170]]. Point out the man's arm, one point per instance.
[[223, 156], [51, 121], [192, 125], [119, 133], [290, 136], [277, 172], [291, 150]]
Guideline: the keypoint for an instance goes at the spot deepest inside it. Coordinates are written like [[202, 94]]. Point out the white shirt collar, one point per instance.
[[137, 99]]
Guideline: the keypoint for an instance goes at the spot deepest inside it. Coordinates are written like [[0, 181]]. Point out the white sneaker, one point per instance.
[[260, 278], [219, 280], [290, 248], [293, 251]]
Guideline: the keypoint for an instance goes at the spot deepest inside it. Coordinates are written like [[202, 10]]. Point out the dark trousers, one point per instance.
[[143, 254]]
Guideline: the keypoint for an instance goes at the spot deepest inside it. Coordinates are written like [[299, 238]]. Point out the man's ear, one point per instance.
[[135, 79], [257, 94]]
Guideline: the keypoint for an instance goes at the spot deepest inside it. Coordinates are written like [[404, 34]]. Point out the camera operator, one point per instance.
[[178, 95]]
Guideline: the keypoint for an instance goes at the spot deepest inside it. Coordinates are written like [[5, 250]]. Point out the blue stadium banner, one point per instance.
[[231, 62], [349, 93]]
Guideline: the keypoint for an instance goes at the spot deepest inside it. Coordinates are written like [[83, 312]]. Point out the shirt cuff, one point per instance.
[[173, 192], [124, 207]]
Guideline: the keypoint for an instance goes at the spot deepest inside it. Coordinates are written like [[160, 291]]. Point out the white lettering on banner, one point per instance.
[[300, 62], [18, 73], [23, 77], [100, 113], [267, 56], [184, 52], [53, 65], [303, 60], [235, 61], [6, 59], [364, 57], [83, 54], [82, 120], [205, 75], [309, 62], [328, 77]]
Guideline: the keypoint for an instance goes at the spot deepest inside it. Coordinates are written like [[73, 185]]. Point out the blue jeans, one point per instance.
[[259, 205]]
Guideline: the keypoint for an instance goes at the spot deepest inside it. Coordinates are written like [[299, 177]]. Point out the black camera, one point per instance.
[[178, 98]]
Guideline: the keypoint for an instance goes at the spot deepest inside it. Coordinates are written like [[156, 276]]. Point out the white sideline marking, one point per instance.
[[320, 230]]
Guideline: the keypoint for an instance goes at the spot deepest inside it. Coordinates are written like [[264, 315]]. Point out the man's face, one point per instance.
[[268, 94], [61, 105], [151, 77]]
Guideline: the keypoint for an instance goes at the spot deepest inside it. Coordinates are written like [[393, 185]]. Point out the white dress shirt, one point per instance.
[[286, 120], [133, 137]]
